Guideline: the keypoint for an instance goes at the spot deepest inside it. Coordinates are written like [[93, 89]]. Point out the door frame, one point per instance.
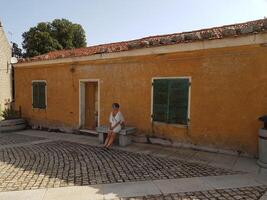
[[82, 100]]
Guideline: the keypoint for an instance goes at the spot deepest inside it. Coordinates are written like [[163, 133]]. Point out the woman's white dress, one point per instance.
[[115, 119]]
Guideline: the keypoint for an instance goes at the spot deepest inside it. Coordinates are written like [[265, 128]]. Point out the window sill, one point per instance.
[[174, 125]]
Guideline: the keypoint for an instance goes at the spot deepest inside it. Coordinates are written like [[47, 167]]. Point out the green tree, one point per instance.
[[50, 36], [16, 51], [79, 39]]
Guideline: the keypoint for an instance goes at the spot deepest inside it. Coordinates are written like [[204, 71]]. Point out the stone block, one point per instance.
[[205, 35], [124, 140], [160, 141], [139, 139], [176, 38], [134, 45], [256, 28], [246, 30], [12, 125], [145, 43], [154, 42], [124, 136], [101, 137], [191, 37], [229, 32], [165, 41]]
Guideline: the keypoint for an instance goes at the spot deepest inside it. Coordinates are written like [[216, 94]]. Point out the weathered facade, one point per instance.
[[227, 89], [5, 70]]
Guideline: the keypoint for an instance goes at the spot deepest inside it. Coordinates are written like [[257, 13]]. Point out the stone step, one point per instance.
[[12, 125], [88, 132]]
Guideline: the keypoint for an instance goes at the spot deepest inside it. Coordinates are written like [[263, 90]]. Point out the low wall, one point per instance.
[[12, 125]]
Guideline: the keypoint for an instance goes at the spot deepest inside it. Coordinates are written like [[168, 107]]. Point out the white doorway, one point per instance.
[[89, 106]]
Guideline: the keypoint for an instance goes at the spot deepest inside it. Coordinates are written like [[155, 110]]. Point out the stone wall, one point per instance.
[[5, 69]]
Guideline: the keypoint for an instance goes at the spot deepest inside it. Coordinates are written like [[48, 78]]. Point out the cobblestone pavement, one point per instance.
[[13, 138], [61, 163], [245, 193]]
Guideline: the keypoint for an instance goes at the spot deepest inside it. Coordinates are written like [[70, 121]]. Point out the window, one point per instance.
[[39, 94], [170, 100]]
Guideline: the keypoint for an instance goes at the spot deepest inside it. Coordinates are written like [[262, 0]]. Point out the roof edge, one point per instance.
[[256, 39], [227, 31]]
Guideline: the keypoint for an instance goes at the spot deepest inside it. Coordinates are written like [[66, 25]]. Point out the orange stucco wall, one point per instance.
[[228, 93]]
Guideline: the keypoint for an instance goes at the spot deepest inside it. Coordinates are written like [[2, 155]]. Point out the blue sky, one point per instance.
[[117, 20]]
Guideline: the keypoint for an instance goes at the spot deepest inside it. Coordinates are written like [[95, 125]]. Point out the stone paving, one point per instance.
[[13, 138], [38, 165], [245, 193], [62, 163]]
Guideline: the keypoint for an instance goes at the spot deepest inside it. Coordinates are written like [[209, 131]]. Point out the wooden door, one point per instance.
[[91, 105]]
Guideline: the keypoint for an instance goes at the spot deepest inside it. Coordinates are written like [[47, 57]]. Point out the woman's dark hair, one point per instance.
[[115, 105]]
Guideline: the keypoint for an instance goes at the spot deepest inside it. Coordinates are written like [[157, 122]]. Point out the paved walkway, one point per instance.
[[45, 165]]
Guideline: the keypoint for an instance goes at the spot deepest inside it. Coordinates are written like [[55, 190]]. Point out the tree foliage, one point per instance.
[[49, 36], [16, 51]]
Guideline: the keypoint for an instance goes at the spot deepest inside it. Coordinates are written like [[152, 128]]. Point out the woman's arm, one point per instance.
[[110, 122], [115, 125], [120, 121]]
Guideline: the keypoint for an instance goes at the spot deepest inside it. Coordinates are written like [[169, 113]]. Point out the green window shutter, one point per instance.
[[35, 95], [160, 100], [178, 101], [42, 95], [38, 95]]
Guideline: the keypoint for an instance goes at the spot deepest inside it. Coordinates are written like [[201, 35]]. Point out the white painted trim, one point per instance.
[[189, 98], [172, 77], [82, 81], [255, 39], [81, 104], [38, 81]]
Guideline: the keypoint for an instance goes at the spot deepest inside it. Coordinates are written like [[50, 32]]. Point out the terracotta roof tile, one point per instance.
[[233, 30]]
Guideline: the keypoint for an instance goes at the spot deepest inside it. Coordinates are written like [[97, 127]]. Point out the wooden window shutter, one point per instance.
[[39, 95], [42, 95], [35, 95], [160, 100], [178, 101]]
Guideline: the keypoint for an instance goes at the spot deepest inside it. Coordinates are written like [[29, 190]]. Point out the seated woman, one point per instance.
[[116, 121]]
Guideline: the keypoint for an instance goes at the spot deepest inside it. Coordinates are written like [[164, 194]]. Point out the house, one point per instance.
[[5, 70], [205, 88]]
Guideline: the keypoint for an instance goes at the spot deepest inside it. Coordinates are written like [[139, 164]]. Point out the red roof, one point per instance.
[[233, 30]]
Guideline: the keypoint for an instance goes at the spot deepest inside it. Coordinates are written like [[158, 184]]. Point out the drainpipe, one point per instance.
[[13, 61]]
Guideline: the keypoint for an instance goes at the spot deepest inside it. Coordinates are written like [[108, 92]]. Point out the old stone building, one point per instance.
[[205, 88], [5, 70]]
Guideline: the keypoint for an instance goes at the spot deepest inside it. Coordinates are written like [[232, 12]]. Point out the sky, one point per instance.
[[106, 21]]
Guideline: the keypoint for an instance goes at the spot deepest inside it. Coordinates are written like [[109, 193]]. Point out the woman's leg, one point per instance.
[[111, 140], [107, 139]]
